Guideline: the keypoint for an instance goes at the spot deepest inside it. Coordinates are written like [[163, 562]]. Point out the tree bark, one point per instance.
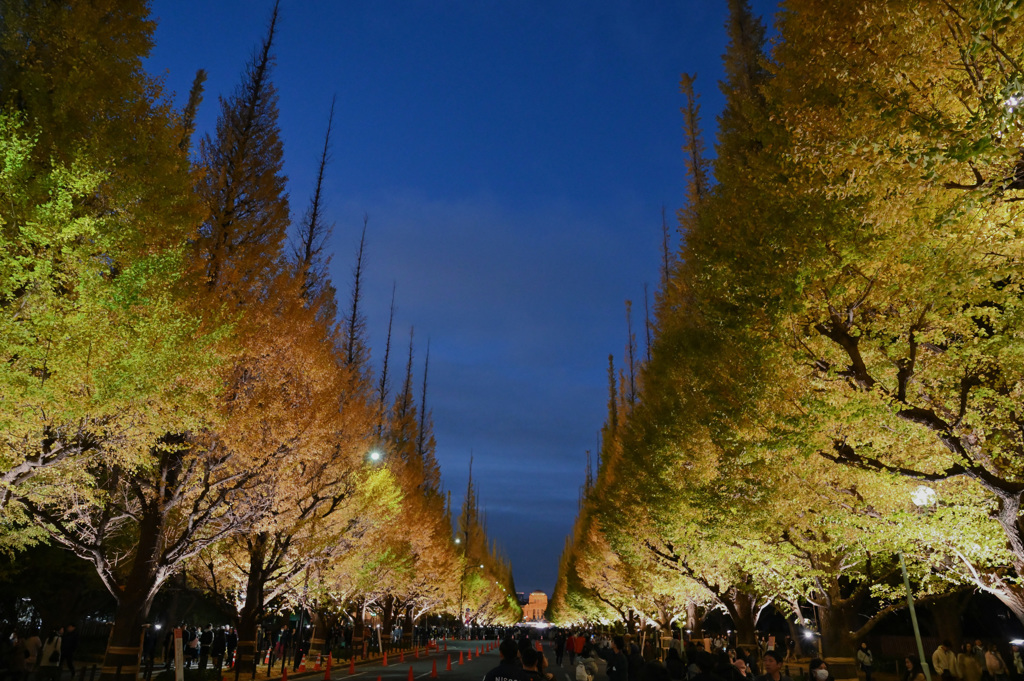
[[407, 628], [359, 629], [252, 607], [124, 647], [948, 614], [742, 609], [319, 635], [387, 622]]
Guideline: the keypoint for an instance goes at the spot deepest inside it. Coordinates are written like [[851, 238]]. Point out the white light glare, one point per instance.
[[375, 456], [808, 634], [923, 495]]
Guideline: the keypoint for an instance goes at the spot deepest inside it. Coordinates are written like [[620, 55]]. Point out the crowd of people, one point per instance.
[[692, 661], [30, 656], [970, 662]]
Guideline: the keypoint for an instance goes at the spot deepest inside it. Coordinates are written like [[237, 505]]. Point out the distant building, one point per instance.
[[533, 610]]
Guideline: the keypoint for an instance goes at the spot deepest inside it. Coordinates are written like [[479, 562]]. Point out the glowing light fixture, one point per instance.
[[923, 495]]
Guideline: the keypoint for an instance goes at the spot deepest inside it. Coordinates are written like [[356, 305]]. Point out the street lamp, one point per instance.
[[922, 496], [375, 456]]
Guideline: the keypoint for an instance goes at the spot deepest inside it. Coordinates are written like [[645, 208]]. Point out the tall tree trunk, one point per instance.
[[252, 607], [948, 614], [741, 607], [319, 635], [836, 629], [694, 619], [387, 622], [124, 647], [407, 628], [359, 628]]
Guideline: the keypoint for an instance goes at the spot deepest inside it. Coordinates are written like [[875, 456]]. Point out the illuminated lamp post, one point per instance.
[[922, 497]]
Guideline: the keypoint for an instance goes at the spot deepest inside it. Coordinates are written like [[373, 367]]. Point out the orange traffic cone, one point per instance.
[[401, 656], [433, 670], [417, 653], [384, 663], [302, 665], [469, 655], [327, 668], [460, 657], [448, 667], [351, 665], [478, 651], [316, 665], [234, 658], [266, 660], [446, 645], [284, 673], [410, 673]]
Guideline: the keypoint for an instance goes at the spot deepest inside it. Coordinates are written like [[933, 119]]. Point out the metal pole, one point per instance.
[[913, 620]]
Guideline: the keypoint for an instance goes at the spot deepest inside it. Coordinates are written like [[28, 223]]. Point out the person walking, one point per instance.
[[559, 647], [48, 664], [914, 671], [675, 665], [866, 661], [16, 663], [615, 656], [970, 670], [69, 643], [231, 642], [34, 648], [205, 642], [944, 662], [995, 664], [217, 648], [507, 669]]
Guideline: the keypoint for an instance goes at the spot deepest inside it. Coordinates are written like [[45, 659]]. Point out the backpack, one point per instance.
[[581, 673]]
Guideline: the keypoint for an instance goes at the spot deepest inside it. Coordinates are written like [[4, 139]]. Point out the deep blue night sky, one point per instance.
[[513, 158]]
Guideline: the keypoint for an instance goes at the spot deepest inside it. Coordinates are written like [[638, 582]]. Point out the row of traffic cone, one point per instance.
[[384, 663]]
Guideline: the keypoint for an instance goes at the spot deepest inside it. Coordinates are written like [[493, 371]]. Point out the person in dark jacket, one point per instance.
[[231, 642], [618, 665], [218, 647], [773, 667], [508, 668], [636, 662], [675, 665], [68, 645], [559, 647], [205, 642]]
